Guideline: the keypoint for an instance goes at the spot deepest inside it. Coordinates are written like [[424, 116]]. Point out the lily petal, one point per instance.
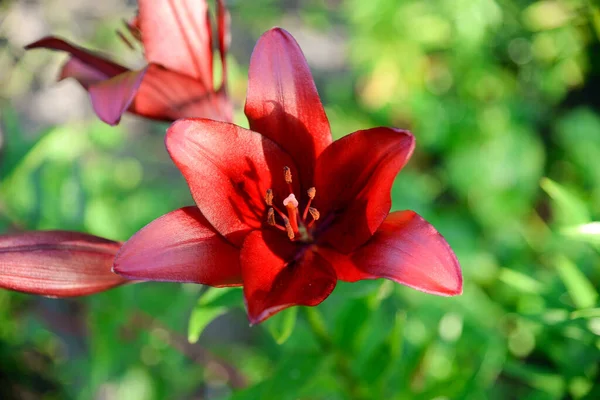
[[57, 263], [85, 74], [180, 246], [228, 170], [112, 97], [282, 101], [407, 250], [177, 35], [354, 177], [168, 95], [272, 284], [224, 37], [92, 60]]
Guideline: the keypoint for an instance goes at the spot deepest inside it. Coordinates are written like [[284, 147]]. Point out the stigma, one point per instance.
[[296, 225], [290, 201]]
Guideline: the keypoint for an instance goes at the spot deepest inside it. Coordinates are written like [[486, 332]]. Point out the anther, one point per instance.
[[271, 216], [288, 228], [312, 192], [269, 197], [314, 213], [287, 174]]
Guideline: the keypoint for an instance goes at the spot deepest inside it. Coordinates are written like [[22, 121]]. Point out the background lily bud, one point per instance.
[[58, 263]]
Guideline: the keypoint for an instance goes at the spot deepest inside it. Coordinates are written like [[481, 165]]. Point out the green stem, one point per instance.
[[317, 325], [594, 16]]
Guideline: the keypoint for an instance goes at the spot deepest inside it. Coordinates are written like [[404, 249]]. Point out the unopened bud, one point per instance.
[[287, 174], [312, 192], [314, 213], [271, 216], [269, 197]]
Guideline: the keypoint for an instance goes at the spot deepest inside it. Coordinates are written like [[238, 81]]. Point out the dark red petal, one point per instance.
[[112, 97], [224, 36], [82, 72], [99, 63], [405, 249], [354, 177], [57, 263], [276, 276], [180, 246], [282, 101], [177, 35], [168, 95], [228, 170]]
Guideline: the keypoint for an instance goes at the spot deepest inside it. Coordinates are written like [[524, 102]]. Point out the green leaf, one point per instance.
[[282, 325], [567, 207], [580, 289], [294, 373], [586, 313], [200, 318], [538, 378], [520, 281], [213, 303], [226, 297], [14, 145], [589, 233]]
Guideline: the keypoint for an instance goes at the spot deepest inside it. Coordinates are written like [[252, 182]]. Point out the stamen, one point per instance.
[[269, 197], [271, 216], [288, 228], [287, 174], [125, 40], [294, 223], [312, 192], [271, 220]]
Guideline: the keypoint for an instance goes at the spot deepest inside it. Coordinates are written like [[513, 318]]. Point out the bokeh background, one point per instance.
[[502, 96]]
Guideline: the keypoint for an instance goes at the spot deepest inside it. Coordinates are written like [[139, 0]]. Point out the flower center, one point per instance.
[[298, 227]]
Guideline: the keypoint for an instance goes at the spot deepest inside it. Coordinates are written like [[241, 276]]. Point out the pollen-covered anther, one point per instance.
[[271, 216], [312, 192], [289, 229], [314, 213], [287, 174], [269, 197]]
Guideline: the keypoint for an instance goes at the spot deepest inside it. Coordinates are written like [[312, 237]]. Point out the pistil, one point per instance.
[[291, 204]]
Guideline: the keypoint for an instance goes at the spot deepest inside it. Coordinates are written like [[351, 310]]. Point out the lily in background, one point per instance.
[[283, 210], [177, 39]]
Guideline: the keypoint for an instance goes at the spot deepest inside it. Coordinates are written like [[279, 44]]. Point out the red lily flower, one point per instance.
[[57, 263], [178, 80], [283, 210]]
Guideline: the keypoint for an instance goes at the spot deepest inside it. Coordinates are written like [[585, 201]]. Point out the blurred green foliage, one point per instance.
[[502, 96]]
